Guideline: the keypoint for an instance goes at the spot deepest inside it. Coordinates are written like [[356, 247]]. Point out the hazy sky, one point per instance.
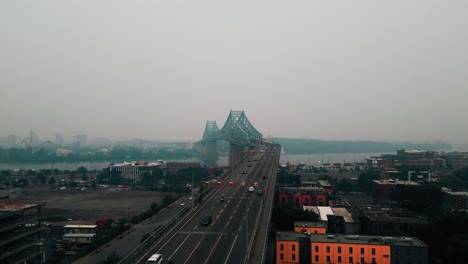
[[359, 70]]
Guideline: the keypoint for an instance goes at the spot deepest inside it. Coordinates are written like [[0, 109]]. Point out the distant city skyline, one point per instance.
[[158, 70]]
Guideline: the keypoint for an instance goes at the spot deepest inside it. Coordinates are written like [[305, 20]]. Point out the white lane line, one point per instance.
[[227, 258], [179, 246], [195, 227]]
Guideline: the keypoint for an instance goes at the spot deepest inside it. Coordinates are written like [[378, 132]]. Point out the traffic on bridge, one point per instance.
[[221, 229]]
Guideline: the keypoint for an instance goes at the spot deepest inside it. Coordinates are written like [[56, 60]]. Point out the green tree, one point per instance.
[[365, 179], [218, 172], [345, 185], [113, 258], [154, 207], [30, 173], [41, 177], [51, 181], [81, 170], [84, 177], [168, 199]]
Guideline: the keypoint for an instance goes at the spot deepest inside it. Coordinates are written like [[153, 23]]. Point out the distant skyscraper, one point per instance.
[[102, 141], [81, 139], [34, 139], [11, 141], [59, 139]]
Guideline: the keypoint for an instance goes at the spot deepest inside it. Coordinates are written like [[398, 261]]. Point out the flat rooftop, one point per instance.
[[395, 182], [309, 224], [17, 206], [351, 239], [368, 240]]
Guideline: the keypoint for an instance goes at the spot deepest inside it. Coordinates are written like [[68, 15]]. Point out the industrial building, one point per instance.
[[134, 170], [21, 232]]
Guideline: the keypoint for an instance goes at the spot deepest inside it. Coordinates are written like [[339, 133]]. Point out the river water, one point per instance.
[[312, 159], [309, 159]]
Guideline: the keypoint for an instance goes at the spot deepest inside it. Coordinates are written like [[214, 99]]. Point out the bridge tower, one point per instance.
[[237, 130], [236, 154], [211, 152]]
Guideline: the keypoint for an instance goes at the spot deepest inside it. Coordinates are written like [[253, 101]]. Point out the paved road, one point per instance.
[[227, 238], [129, 240]]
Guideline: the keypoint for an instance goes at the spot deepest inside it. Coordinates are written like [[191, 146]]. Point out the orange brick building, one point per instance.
[[297, 248]]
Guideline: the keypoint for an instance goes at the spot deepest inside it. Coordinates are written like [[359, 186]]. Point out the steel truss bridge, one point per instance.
[[237, 130]]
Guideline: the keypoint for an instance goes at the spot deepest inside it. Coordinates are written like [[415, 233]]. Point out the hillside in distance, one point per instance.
[[315, 146]]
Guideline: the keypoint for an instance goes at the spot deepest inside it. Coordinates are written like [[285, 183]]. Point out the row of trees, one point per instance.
[[20, 155]]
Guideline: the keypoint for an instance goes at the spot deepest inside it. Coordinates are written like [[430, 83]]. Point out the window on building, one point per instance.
[[339, 249], [316, 249], [373, 251], [373, 261], [362, 250], [281, 247], [350, 250], [293, 256], [385, 256], [281, 256], [362, 260], [339, 259], [328, 249], [328, 258], [316, 258], [293, 247], [350, 260]]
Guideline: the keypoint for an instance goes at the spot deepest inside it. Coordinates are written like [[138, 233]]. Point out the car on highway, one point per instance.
[[206, 220], [264, 177], [260, 192], [244, 172], [251, 189], [155, 259]]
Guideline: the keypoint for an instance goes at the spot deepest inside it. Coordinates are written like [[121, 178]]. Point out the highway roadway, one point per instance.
[[227, 238]]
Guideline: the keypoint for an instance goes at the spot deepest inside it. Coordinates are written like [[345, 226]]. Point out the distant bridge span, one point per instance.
[[237, 129]]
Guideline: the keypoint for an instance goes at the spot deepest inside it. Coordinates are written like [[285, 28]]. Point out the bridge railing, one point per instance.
[[143, 248]]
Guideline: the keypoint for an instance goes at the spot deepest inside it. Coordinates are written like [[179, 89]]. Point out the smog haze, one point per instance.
[[357, 70]]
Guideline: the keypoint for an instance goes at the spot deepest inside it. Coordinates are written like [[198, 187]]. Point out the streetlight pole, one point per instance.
[[193, 173]]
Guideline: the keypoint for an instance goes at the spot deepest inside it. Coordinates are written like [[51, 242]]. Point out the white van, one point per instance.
[[251, 189], [155, 259]]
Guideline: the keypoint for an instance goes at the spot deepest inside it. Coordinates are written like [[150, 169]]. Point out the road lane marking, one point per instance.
[[212, 250], [229, 254], [198, 244], [200, 232], [195, 227], [179, 246]]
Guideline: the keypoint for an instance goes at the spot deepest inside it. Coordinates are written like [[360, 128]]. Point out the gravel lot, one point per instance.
[[90, 204]]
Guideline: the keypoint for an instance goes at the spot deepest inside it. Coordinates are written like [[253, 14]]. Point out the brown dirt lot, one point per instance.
[[90, 204]]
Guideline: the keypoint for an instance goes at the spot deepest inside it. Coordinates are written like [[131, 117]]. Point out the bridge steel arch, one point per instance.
[[237, 130]]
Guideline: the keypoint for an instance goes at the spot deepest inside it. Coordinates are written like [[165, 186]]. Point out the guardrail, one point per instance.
[[142, 249]]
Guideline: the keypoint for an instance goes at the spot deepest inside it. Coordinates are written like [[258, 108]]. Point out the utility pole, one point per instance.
[[193, 173]]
